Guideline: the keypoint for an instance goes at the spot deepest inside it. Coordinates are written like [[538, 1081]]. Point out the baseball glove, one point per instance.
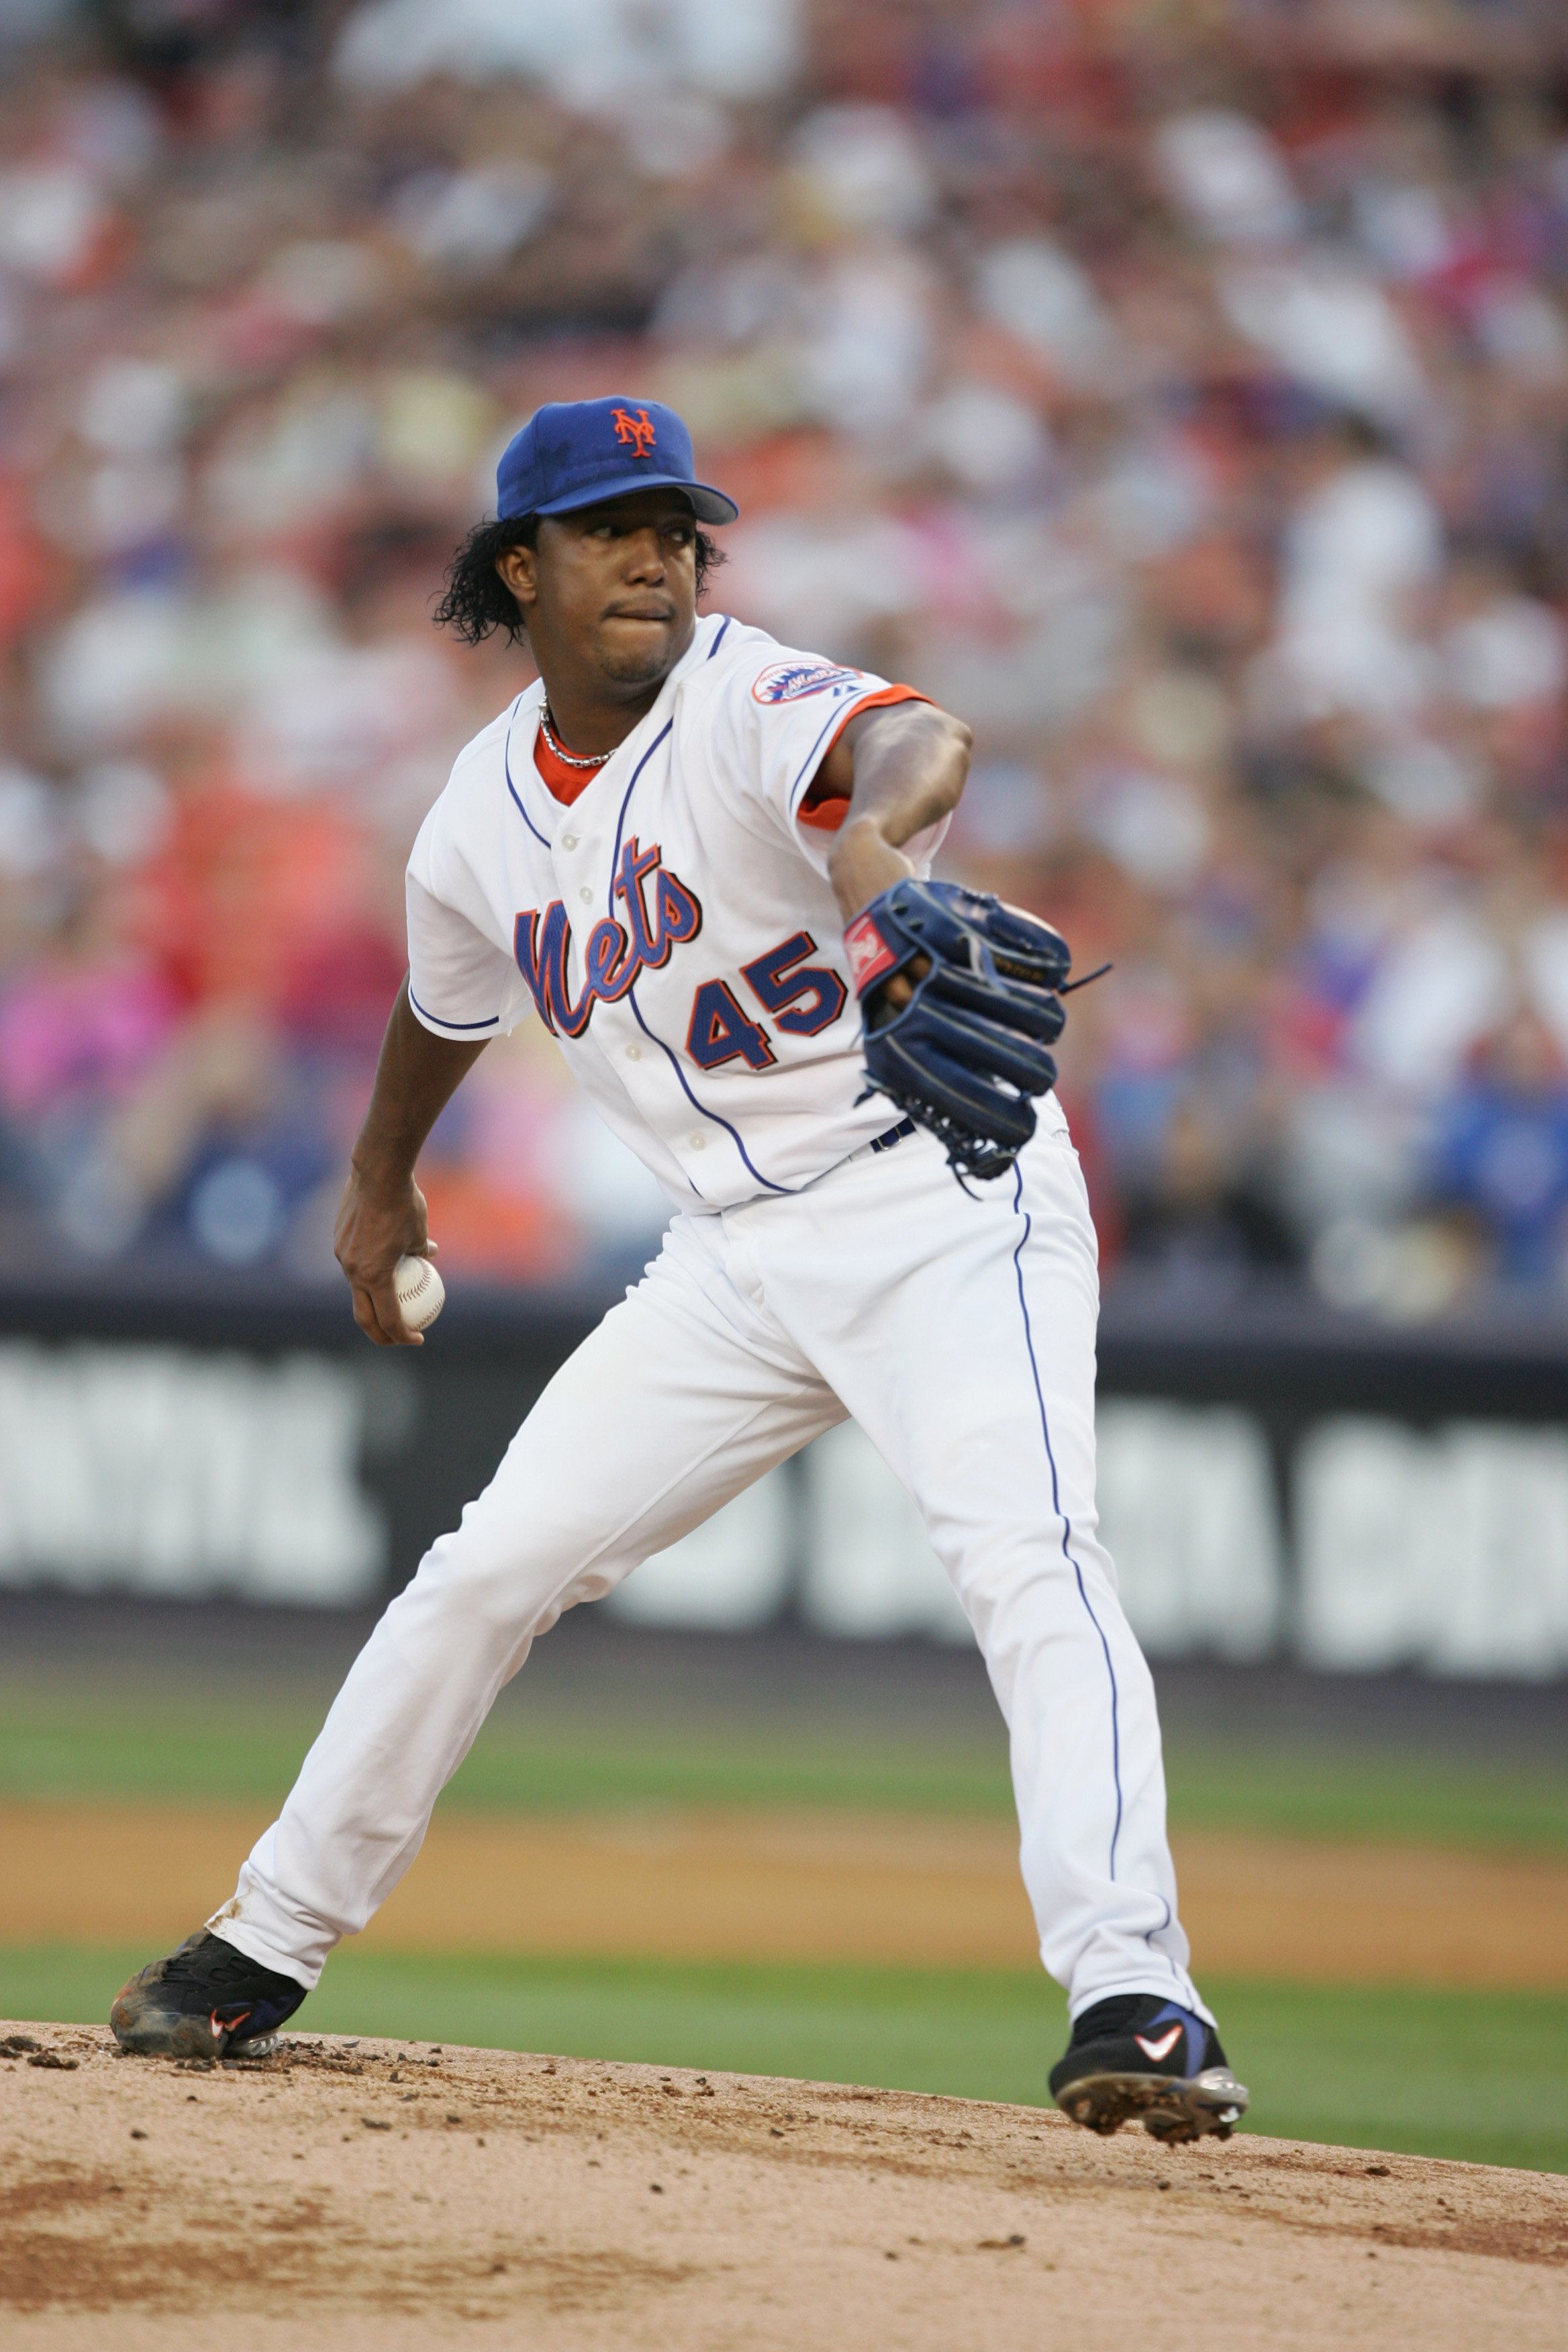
[[967, 1052]]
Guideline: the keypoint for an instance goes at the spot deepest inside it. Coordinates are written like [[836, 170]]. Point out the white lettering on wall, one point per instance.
[[158, 1470], [1190, 1514], [1447, 1550]]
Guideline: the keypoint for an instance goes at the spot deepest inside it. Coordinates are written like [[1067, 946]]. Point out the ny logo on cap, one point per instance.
[[634, 426]]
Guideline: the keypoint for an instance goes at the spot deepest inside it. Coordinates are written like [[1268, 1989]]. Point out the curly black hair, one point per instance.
[[477, 599]]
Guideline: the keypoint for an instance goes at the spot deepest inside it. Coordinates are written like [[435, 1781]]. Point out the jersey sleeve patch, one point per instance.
[[798, 681]]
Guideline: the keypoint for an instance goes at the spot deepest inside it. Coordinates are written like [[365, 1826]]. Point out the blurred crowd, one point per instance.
[[1179, 392]]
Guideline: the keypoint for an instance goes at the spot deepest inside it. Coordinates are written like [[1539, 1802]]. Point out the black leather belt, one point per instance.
[[894, 1135]]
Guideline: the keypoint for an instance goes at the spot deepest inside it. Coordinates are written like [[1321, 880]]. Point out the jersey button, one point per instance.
[[634, 1053], [585, 895], [568, 841], [697, 1142]]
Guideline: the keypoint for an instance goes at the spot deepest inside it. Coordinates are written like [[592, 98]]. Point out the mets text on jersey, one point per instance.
[[616, 953]]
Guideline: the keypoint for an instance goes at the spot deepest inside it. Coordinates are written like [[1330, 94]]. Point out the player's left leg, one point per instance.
[[960, 1331]]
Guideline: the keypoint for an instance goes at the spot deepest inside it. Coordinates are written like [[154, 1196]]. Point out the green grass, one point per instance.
[[1479, 2076], [1393, 1795], [59, 1745], [164, 1743]]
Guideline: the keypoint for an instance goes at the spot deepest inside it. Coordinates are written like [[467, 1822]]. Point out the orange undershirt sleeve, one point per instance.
[[827, 812]]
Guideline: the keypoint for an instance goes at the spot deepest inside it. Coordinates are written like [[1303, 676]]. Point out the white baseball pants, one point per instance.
[[958, 1331]]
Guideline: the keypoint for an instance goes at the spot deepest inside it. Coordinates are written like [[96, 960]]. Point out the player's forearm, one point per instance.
[[416, 1077], [910, 762]]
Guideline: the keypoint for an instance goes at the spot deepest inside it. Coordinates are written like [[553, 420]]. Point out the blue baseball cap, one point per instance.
[[578, 453]]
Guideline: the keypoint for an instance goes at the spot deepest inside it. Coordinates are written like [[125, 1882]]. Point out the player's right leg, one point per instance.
[[682, 1396]]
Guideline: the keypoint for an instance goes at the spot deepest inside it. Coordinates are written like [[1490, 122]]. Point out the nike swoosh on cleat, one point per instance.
[[1161, 2049]]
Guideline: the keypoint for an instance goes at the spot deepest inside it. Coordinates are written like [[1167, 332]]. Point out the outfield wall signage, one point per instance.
[[1356, 1542]]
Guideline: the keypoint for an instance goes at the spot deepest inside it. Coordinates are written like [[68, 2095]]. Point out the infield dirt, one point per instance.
[[752, 1883], [396, 2195]]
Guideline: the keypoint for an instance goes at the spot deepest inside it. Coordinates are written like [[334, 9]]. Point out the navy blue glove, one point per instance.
[[968, 1051]]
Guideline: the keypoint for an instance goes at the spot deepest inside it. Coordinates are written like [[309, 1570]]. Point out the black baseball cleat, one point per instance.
[[1139, 2056], [205, 2000]]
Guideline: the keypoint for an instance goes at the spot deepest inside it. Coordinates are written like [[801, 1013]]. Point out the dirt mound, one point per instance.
[[399, 2194]]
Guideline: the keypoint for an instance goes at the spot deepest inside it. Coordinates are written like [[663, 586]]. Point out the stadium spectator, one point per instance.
[[1184, 399]]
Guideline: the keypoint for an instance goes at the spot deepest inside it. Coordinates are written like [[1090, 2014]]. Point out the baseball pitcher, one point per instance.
[[701, 859]]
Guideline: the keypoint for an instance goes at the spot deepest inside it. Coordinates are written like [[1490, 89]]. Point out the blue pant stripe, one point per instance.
[[1056, 1504]]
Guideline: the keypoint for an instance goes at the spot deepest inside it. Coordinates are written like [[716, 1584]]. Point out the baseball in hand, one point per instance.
[[421, 1293]]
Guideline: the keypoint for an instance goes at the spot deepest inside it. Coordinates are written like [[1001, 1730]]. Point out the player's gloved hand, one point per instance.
[[967, 1049]]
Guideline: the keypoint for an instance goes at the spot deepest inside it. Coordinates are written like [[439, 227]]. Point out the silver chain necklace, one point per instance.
[[553, 744]]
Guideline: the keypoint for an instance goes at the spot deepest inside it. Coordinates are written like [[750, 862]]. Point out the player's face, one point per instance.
[[613, 588]]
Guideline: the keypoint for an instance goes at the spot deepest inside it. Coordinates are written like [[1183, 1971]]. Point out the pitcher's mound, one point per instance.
[[393, 2195]]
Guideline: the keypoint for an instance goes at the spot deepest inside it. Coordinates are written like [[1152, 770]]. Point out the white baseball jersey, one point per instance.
[[673, 925]]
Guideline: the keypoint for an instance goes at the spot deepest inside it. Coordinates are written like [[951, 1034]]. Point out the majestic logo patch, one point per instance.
[[634, 426], [1161, 2049], [794, 681]]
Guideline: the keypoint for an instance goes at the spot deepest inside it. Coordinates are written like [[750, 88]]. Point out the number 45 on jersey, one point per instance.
[[802, 997]]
